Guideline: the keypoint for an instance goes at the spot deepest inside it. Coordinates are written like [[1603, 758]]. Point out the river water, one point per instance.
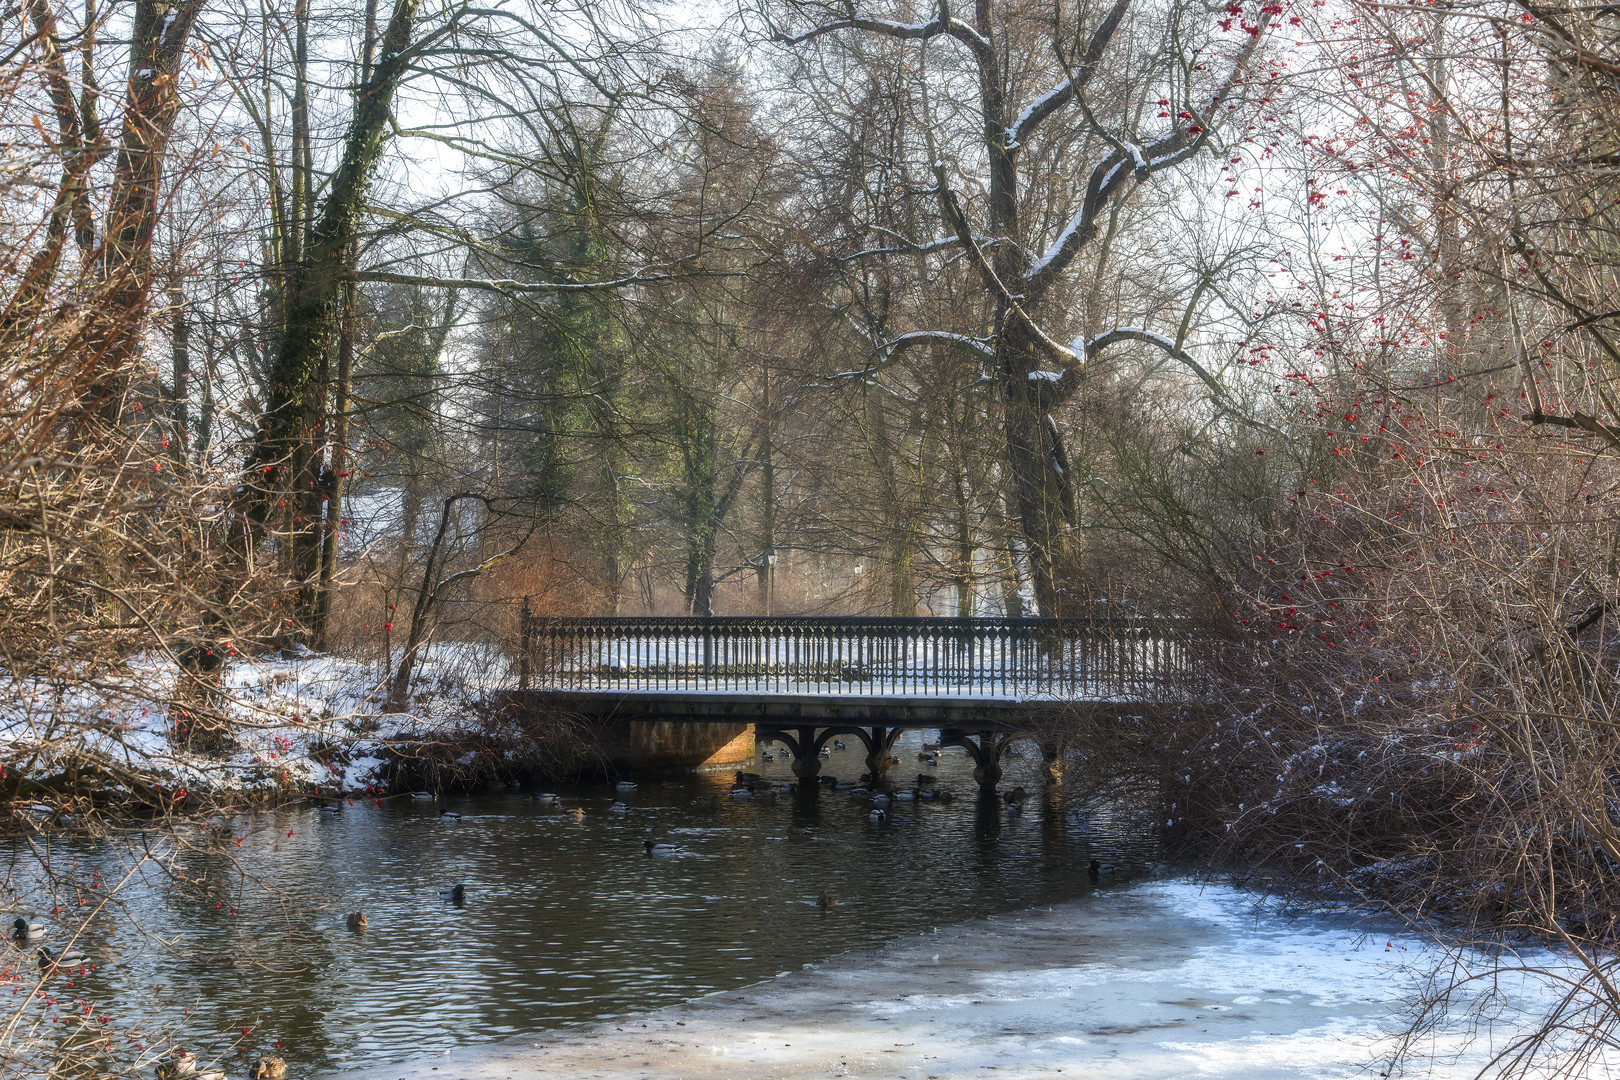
[[567, 920], [965, 942]]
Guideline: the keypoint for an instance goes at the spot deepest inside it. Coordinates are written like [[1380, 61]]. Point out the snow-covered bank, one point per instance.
[[302, 723], [1167, 979]]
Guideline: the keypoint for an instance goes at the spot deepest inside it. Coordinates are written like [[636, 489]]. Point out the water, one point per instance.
[[567, 921]]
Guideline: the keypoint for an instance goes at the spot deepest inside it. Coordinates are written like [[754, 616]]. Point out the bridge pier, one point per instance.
[[879, 750], [805, 748], [986, 754]]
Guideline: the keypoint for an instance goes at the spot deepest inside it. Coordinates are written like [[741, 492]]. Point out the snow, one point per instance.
[[1152, 981], [1046, 376], [282, 711]]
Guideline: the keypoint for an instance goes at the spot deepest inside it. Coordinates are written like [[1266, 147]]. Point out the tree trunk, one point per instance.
[[337, 470], [285, 458], [158, 40]]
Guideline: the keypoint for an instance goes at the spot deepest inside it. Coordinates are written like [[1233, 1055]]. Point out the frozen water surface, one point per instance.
[[1161, 979]]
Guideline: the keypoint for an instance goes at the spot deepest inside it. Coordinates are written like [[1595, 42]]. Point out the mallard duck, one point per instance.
[[1014, 809], [178, 1064], [331, 808], [946, 796], [927, 793], [624, 785], [906, 794], [356, 922], [931, 747], [876, 817], [826, 900], [546, 798], [765, 755], [823, 753], [881, 801], [838, 744], [577, 813], [925, 779], [1097, 869], [69, 957], [653, 848], [455, 895], [705, 802], [27, 931], [422, 796], [1016, 795], [449, 815], [742, 793], [269, 1067], [619, 808]]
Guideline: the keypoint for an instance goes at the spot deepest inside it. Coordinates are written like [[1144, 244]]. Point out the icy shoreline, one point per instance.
[[1161, 979]]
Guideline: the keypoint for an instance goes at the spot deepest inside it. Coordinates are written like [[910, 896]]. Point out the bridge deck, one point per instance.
[[982, 660]]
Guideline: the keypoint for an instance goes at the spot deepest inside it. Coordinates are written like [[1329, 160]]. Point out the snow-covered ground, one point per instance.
[[1166, 979], [285, 715]]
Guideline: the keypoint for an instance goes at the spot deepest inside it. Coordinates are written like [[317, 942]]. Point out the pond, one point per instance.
[[567, 920]]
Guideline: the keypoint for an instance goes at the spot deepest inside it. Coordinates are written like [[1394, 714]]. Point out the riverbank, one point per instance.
[[1162, 979]]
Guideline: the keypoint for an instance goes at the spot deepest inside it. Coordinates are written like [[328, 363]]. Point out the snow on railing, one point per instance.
[[1048, 658]]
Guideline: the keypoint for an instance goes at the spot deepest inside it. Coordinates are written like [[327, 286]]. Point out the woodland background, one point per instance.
[[345, 329]]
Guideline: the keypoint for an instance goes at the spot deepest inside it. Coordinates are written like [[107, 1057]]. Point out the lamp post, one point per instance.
[[770, 582]]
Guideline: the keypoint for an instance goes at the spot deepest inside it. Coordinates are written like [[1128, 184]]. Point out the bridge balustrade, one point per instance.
[[1049, 658]]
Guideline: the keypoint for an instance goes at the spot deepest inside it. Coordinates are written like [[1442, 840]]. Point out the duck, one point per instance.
[[577, 813], [1016, 795], [331, 808], [931, 747], [68, 957], [765, 755], [947, 795], [356, 922], [927, 793], [838, 744], [619, 808], [705, 802], [876, 817], [1014, 809], [925, 779], [746, 777], [269, 1067], [545, 798], [178, 1064], [653, 848], [455, 895], [449, 815], [1098, 869], [742, 793], [881, 801], [27, 931], [906, 795], [826, 900], [625, 786], [422, 796], [823, 752]]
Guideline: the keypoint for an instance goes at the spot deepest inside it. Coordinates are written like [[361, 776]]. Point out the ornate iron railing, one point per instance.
[[1060, 659]]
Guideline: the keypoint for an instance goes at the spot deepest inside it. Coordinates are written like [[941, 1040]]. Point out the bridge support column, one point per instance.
[[807, 756], [806, 749], [986, 755], [880, 751], [1053, 756]]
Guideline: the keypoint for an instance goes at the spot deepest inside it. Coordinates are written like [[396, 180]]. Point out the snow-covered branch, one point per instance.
[[945, 25], [1129, 160]]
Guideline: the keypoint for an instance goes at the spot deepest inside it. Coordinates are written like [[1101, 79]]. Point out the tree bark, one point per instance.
[[284, 464]]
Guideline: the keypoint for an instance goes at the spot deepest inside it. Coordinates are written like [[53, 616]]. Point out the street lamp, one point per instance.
[[770, 582]]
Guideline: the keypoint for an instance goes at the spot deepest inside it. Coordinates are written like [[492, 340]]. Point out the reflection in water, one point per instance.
[[568, 920]]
